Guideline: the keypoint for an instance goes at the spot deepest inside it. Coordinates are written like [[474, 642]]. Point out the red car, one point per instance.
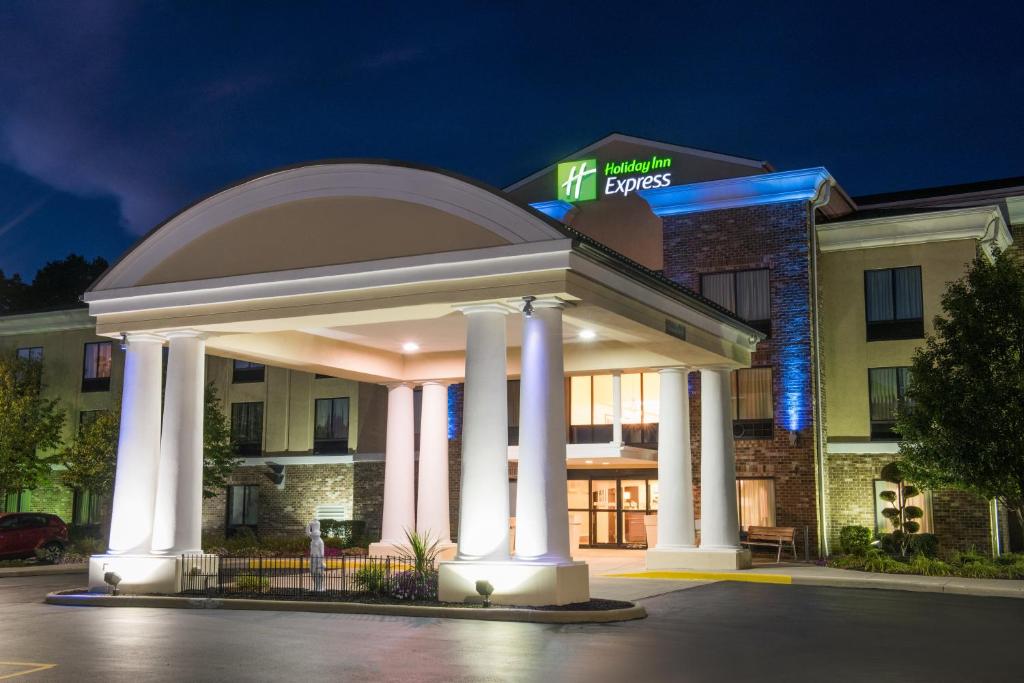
[[22, 533]]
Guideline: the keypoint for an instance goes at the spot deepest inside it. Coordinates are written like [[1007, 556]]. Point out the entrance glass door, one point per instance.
[[610, 510]]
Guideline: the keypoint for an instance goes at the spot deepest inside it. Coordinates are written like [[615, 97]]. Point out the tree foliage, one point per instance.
[[57, 284], [90, 461], [219, 458], [29, 423], [901, 514], [964, 425]]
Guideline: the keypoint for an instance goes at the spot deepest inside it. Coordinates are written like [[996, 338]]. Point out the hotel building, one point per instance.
[[659, 345]]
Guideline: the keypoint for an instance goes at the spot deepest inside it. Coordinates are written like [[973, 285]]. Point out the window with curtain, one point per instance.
[[244, 372], [923, 500], [243, 507], [755, 502], [745, 292], [752, 406], [893, 303], [96, 366], [887, 396], [247, 427], [85, 508], [330, 426]]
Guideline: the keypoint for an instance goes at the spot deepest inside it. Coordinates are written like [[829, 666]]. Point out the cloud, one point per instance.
[[24, 214]]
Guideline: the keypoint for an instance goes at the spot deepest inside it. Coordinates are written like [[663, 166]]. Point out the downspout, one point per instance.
[[823, 545]]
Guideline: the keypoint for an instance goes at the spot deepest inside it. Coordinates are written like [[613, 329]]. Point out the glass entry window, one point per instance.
[[611, 509]]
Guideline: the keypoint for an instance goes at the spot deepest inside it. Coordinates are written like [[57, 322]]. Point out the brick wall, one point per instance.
[[960, 520], [456, 394], [774, 237], [368, 496], [288, 509]]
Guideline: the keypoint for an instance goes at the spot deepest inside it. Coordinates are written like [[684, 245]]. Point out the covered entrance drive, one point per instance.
[[406, 277]]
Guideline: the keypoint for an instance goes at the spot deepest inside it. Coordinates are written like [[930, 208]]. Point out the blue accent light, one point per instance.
[[454, 418], [811, 184], [556, 208]]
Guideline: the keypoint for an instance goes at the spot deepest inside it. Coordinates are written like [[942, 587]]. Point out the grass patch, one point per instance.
[[968, 565]]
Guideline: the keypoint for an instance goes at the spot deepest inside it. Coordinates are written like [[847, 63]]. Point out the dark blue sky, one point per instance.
[[114, 115]]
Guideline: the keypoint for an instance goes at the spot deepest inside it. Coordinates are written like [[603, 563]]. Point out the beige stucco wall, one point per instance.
[[844, 329]]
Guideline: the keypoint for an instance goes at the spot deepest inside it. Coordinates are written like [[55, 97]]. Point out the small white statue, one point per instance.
[[316, 555]]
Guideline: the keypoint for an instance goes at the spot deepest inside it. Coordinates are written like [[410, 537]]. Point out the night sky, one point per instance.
[[115, 115]]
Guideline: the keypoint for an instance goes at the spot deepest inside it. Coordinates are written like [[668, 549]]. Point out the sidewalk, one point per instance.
[[813, 575], [44, 570]]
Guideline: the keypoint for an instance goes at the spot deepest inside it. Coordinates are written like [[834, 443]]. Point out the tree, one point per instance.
[[12, 293], [61, 283], [901, 514], [219, 458], [29, 423], [965, 404], [90, 462]]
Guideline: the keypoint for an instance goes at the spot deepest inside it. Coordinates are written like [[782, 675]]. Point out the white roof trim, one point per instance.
[[518, 258], [418, 186], [619, 137], [982, 223]]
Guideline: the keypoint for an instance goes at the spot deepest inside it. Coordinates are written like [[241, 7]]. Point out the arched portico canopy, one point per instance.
[[334, 267]]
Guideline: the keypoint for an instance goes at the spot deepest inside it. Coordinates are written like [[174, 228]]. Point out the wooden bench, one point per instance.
[[772, 537]]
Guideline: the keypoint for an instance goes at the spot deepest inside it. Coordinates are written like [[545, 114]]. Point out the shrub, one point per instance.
[[413, 585], [926, 566], [87, 546], [252, 583], [855, 540], [373, 578]]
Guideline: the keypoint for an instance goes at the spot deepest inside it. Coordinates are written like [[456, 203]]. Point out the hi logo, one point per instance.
[[577, 180]]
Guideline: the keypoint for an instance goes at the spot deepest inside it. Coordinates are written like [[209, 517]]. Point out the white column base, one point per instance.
[[515, 583], [698, 558], [143, 573]]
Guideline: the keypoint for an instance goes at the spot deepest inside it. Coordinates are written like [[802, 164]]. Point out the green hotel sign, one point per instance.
[[578, 181]]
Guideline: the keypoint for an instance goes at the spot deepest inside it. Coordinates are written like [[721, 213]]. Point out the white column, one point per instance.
[[138, 447], [178, 521], [432, 502], [399, 467], [483, 496], [542, 529], [719, 526], [617, 407], [675, 476]]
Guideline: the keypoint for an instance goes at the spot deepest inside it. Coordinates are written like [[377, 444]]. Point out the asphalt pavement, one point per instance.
[[715, 632]]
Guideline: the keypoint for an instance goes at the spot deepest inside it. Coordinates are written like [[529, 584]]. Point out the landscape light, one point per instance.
[[112, 579], [484, 588]]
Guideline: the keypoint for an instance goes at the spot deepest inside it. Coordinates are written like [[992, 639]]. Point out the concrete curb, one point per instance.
[[44, 570], [477, 613]]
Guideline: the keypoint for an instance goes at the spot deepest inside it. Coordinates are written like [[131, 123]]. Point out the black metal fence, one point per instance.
[[291, 576]]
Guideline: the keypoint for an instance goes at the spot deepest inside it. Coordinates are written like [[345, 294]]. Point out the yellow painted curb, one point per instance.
[[782, 579]]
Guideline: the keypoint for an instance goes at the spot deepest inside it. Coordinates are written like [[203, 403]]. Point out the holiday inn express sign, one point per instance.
[[581, 180]]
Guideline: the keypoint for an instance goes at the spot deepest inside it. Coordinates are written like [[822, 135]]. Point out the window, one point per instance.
[[243, 507], [923, 500], [892, 299], [592, 413], [96, 368], [887, 395], [752, 403], [17, 501], [755, 502], [330, 427], [85, 508], [33, 353], [746, 293], [245, 372], [247, 427]]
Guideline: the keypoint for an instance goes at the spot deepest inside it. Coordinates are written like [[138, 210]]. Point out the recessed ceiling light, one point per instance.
[[587, 335], [409, 347], [606, 463], [589, 462]]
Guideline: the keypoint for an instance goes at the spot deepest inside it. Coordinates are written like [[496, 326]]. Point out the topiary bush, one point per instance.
[[855, 540]]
